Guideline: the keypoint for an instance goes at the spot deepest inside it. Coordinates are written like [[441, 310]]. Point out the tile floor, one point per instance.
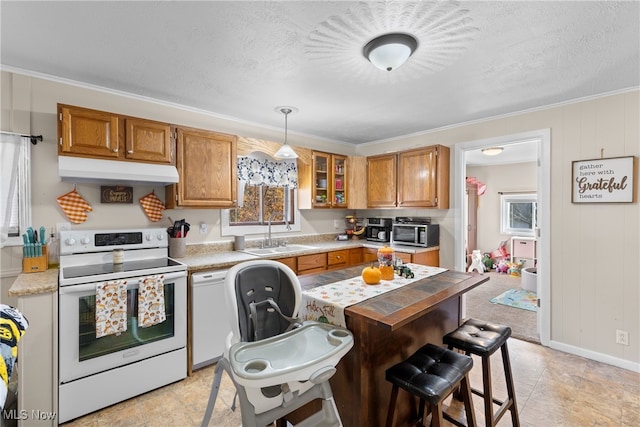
[[552, 389]]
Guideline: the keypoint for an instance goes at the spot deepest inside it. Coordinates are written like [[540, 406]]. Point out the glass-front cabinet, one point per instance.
[[329, 180]]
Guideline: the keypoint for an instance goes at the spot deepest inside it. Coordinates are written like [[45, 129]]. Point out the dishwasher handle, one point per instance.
[[209, 277]]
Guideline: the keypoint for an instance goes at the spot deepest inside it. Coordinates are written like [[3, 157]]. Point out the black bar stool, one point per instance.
[[432, 373], [483, 339]]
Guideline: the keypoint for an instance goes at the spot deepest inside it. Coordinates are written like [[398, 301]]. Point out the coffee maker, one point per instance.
[[379, 229]]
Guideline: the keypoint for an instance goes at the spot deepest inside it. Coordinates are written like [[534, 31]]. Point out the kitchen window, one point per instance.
[[15, 194], [519, 214], [267, 192], [263, 203]]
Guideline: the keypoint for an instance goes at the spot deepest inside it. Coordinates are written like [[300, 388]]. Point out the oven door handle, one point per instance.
[[132, 283]]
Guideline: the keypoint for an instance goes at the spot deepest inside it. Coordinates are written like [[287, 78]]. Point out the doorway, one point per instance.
[[462, 153]]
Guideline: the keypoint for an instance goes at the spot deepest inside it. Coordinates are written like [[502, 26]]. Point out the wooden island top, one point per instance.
[[388, 329], [401, 306]]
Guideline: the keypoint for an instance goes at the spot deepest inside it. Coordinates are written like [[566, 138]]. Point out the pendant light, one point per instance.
[[285, 152], [389, 51]]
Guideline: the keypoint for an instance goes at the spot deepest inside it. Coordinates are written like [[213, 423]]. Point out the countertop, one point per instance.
[[47, 281], [35, 283]]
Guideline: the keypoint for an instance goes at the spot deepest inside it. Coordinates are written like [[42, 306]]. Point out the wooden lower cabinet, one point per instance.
[[334, 260], [338, 259], [431, 258], [355, 256], [291, 262], [369, 255], [313, 263]]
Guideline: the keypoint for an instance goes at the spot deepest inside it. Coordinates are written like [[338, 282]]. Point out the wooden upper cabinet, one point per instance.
[[88, 133], [97, 134], [381, 181], [414, 178], [329, 180], [357, 195], [206, 163], [147, 140], [417, 178]]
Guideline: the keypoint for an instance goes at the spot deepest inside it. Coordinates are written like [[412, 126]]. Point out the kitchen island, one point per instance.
[[387, 329]]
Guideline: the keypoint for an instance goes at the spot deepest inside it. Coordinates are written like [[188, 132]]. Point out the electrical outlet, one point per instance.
[[338, 224], [62, 226], [203, 228], [622, 337]]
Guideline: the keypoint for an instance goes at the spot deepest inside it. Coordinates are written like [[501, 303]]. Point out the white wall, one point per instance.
[[595, 273], [499, 178]]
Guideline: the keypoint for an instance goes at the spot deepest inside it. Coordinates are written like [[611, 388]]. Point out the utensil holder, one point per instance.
[[177, 247]]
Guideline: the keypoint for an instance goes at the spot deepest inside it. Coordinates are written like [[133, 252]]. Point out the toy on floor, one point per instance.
[[476, 262], [515, 268], [487, 261], [502, 266]]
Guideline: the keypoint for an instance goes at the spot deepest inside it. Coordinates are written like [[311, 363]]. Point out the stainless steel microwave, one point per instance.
[[423, 235]]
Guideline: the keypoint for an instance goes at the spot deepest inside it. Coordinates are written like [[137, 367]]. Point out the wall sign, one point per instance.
[[116, 194], [603, 180]]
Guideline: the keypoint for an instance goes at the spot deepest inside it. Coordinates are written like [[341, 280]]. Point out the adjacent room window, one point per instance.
[[519, 214], [15, 192]]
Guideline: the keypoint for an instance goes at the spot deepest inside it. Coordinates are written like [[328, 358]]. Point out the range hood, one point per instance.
[[81, 169]]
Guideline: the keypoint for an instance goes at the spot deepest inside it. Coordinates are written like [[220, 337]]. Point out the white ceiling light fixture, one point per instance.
[[285, 152], [389, 51], [492, 151]]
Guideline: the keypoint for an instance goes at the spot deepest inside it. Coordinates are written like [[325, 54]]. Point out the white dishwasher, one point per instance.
[[209, 320]]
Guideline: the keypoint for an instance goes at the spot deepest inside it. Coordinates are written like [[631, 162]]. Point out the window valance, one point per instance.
[[257, 169]]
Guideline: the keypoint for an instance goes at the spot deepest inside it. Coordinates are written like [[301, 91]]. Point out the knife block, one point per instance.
[[36, 264]]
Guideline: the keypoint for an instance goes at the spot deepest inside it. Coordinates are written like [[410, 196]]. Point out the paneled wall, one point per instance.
[[595, 248]]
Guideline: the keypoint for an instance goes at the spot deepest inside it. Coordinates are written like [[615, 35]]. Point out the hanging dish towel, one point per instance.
[[152, 206], [151, 309], [111, 308], [74, 206]]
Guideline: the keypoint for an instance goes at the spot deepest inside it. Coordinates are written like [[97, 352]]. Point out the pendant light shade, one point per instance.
[[285, 152], [389, 51]]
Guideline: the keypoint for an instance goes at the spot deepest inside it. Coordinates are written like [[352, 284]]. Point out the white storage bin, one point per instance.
[[529, 279]]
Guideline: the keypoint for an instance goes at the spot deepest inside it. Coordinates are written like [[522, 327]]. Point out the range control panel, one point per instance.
[[85, 241]]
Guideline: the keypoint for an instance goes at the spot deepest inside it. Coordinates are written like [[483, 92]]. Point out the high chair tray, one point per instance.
[[291, 356]]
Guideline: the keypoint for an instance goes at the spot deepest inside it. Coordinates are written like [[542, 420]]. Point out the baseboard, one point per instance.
[[593, 355]]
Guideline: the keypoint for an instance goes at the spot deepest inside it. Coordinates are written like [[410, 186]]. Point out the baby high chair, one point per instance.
[[277, 363]]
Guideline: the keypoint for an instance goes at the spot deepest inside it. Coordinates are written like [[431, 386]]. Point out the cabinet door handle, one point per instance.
[[130, 151], [115, 150]]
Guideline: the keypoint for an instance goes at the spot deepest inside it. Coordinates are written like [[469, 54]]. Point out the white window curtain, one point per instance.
[[260, 169], [15, 185]]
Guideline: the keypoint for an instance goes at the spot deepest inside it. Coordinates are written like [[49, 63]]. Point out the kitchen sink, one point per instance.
[[278, 250]]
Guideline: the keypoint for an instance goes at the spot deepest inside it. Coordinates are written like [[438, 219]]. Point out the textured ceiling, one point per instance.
[[242, 59]]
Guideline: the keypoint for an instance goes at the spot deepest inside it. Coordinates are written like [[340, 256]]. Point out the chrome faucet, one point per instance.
[[269, 240]]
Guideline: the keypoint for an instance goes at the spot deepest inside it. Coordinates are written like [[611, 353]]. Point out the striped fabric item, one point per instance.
[[74, 206], [152, 207]]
